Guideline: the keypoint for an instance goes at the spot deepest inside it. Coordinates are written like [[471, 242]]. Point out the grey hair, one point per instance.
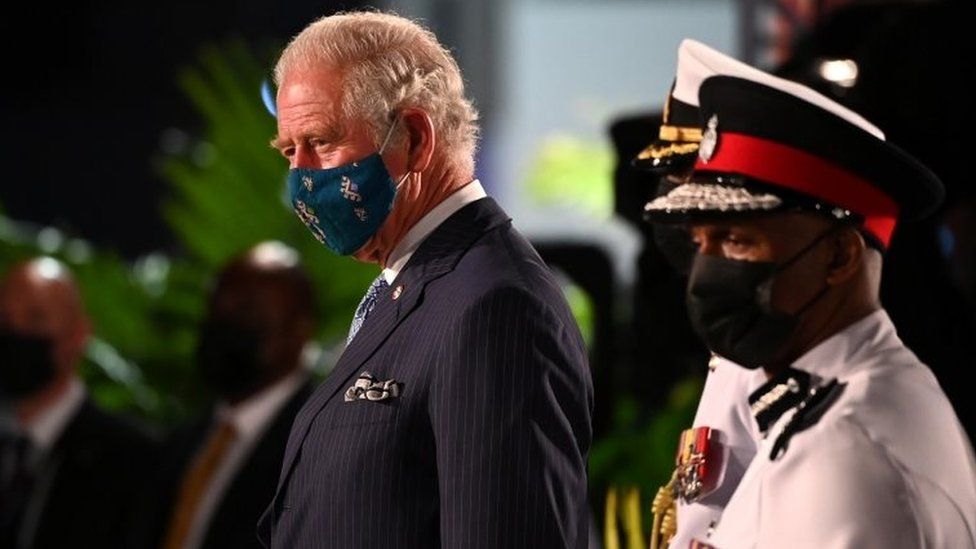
[[390, 63]]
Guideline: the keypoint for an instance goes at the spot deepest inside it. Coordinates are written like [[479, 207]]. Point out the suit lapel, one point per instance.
[[436, 256]]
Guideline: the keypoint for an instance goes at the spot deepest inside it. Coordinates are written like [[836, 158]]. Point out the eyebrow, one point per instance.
[[277, 142], [330, 129]]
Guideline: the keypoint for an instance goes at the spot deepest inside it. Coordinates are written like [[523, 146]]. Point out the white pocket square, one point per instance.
[[368, 387]]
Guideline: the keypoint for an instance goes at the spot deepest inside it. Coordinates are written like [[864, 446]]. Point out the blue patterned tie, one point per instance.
[[366, 306]]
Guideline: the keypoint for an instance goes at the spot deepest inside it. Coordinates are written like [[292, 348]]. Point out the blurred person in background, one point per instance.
[[70, 473], [459, 412], [219, 472]]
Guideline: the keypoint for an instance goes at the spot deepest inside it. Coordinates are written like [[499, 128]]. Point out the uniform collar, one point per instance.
[[834, 360], [415, 236], [847, 352]]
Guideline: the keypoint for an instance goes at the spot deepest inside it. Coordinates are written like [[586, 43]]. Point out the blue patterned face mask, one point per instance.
[[346, 205]]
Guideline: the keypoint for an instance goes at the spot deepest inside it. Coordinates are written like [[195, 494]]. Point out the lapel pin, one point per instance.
[[397, 292]]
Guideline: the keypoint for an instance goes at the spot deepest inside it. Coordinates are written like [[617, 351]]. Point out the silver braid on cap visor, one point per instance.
[[696, 197]]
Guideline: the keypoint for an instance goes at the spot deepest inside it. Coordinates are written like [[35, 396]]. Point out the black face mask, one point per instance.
[[230, 357], [729, 306], [26, 364]]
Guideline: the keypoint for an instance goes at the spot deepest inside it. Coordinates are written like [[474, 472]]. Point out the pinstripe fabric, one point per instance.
[[486, 445]]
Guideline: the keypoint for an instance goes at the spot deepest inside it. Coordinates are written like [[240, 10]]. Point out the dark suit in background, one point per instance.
[[247, 494], [485, 446], [219, 472], [85, 491]]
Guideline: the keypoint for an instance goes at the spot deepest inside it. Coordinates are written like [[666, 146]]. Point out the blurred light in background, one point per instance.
[[842, 72], [174, 141], [274, 254], [48, 268], [151, 271], [49, 240]]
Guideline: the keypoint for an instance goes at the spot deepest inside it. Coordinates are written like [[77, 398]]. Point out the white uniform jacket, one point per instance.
[[881, 462]]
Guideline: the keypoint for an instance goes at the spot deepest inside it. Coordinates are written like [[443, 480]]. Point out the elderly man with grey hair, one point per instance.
[[459, 413]]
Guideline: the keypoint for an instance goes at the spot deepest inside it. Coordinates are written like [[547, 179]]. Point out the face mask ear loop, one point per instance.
[[386, 141], [402, 179], [389, 134], [796, 257], [823, 291]]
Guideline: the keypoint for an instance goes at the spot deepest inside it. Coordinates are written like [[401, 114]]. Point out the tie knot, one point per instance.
[[377, 286]]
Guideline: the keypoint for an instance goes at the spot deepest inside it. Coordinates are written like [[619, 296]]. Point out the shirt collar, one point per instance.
[[47, 427], [403, 251], [846, 352], [250, 416]]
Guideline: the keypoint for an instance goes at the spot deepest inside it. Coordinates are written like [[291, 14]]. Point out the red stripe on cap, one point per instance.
[[797, 170]]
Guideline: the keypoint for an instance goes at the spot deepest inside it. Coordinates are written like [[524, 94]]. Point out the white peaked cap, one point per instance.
[[696, 62]]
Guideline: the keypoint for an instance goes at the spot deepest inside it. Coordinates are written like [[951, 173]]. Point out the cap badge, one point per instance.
[[709, 140]]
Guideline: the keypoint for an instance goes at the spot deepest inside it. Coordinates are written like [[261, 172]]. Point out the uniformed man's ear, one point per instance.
[[420, 132], [848, 246]]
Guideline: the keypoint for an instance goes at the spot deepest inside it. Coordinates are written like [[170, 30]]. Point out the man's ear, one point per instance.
[[848, 247], [421, 138]]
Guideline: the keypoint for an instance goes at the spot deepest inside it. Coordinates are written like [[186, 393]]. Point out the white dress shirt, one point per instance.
[[887, 464], [724, 407], [45, 429], [418, 233], [250, 419]]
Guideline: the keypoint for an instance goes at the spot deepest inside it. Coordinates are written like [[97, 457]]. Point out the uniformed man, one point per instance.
[[701, 487], [791, 204]]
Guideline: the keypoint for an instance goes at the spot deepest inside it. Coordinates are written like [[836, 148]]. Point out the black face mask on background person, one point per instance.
[[26, 363], [729, 303], [230, 357]]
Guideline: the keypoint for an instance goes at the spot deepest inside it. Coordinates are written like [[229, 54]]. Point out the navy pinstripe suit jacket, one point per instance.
[[486, 445]]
